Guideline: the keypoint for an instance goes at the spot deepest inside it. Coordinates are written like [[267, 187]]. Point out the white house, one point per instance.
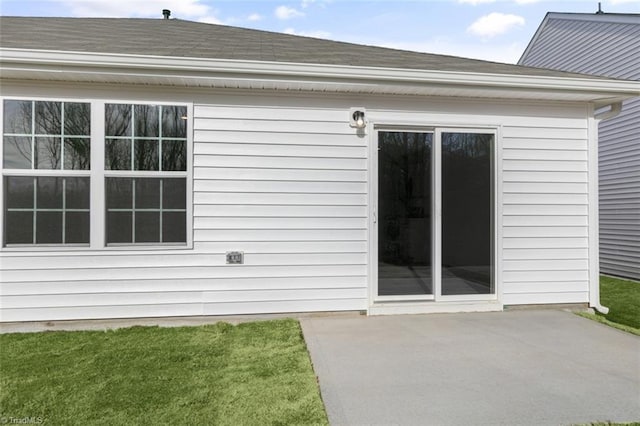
[[172, 168], [606, 44]]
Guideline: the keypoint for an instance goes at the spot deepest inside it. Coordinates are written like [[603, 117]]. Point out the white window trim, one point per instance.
[[97, 175]]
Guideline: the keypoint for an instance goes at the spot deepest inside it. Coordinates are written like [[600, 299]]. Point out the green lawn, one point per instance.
[[249, 374], [622, 297]]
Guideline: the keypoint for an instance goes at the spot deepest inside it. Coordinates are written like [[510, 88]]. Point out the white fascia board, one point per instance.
[[280, 71]]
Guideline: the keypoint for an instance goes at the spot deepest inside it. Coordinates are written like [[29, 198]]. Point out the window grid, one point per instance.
[[138, 169], [160, 210], [62, 136], [132, 139], [64, 210], [31, 141]]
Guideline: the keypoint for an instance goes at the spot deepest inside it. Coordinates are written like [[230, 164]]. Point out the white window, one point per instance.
[[140, 171], [150, 143], [42, 141]]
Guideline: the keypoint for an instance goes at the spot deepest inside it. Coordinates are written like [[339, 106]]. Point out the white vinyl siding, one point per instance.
[[606, 45], [289, 191], [545, 214], [286, 181], [291, 181]]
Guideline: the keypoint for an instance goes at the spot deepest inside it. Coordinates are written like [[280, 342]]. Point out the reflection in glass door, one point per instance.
[[404, 213], [467, 213]]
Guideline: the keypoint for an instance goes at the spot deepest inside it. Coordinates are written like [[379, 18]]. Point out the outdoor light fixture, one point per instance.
[[357, 118]]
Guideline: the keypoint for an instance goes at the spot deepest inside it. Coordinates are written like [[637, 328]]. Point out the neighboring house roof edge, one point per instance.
[[618, 18], [533, 40]]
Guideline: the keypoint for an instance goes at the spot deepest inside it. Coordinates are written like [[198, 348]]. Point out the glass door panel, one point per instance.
[[404, 213], [467, 213]]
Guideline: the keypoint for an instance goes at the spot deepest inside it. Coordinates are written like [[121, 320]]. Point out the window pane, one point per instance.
[[174, 193], [146, 120], [48, 227], [77, 193], [18, 228], [77, 228], [404, 212], [148, 193], [77, 153], [48, 118], [49, 193], [467, 238], [19, 192], [146, 155], [17, 152], [174, 121], [119, 193], [147, 227], [48, 153], [117, 120], [174, 226], [117, 155], [17, 117], [77, 119], [174, 155], [119, 227]]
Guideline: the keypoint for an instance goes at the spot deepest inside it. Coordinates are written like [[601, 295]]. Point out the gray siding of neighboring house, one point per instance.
[[607, 45]]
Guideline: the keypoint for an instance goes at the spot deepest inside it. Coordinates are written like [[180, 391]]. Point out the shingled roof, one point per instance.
[[187, 39]]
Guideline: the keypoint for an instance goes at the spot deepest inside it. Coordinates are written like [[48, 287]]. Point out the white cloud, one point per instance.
[[476, 2], [194, 10], [138, 8], [319, 3], [504, 52], [314, 34], [210, 20], [284, 12], [254, 17], [495, 24]]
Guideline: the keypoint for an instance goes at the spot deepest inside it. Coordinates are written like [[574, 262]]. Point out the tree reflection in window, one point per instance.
[[145, 137], [46, 135]]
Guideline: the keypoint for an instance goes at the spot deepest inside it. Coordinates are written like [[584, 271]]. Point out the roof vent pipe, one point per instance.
[[166, 13], [599, 12]]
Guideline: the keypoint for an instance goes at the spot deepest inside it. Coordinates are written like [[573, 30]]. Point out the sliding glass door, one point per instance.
[[434, 214]]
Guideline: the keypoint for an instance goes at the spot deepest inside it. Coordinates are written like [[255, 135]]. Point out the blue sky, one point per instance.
[[497, 30]]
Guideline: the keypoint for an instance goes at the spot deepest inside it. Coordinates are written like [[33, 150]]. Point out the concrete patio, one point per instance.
[[521, 367]]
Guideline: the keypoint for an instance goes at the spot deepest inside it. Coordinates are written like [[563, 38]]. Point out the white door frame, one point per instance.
[[436, 302]]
